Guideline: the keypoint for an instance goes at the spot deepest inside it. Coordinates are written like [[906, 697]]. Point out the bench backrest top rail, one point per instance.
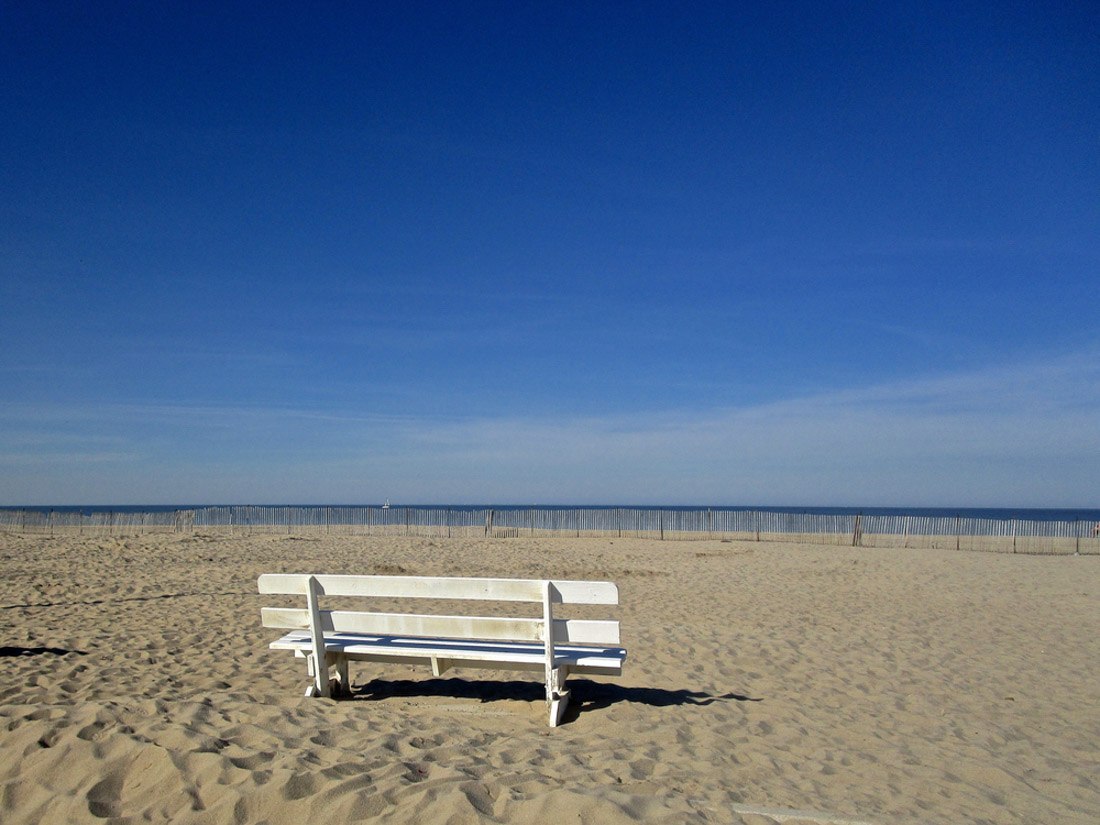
[[441, 587]]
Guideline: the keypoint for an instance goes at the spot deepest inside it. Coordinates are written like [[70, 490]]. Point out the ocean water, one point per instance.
[[1000, 513]]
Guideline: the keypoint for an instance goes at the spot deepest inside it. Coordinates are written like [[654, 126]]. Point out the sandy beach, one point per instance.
[[765, 683]]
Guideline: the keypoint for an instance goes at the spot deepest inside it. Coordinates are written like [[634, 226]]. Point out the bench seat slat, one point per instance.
[[526, 655], [581, 631], [431, 587]]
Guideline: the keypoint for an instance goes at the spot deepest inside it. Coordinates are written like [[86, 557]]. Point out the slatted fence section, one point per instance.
[[70, 523], [898, 531], [918, 532], [639, 523], [369, 521]]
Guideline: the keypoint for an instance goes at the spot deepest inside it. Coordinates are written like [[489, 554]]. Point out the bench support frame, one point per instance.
[[408, 638], [557, 697]]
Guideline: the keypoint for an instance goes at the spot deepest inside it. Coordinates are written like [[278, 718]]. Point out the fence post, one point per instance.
[[958, 531], [1013, 535]]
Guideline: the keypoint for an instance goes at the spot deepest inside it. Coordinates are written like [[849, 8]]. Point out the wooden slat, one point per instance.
[[462, 652], [315, 625], [442, 587], [549, 595], [405, 624], [575, 631]]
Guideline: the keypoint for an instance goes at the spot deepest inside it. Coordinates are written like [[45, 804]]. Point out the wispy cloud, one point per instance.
[[1030, 431], [67, 458], [1025, 434]]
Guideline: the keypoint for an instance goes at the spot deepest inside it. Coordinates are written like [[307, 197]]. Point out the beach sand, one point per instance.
[[765, 683]]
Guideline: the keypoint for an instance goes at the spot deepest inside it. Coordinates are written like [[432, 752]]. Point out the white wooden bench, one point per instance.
[[583, 646]]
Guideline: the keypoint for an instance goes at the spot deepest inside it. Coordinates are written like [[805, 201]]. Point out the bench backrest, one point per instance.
[[546, 592]]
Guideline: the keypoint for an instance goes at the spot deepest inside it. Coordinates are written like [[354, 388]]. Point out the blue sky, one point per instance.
[[503, 253]]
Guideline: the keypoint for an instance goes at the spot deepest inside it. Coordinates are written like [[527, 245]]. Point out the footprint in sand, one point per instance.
[[299, 786], [104, 797], [252, 761]]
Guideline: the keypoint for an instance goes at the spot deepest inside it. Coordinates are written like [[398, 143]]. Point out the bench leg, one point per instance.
[[318, 669], [557, 708], [343, 682], [557, 697], [340, 686]]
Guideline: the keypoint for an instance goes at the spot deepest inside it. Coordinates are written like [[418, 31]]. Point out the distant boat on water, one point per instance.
[[386, 506]]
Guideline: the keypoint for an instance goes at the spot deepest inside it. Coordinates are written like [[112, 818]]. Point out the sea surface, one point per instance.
[[1000, 513]]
